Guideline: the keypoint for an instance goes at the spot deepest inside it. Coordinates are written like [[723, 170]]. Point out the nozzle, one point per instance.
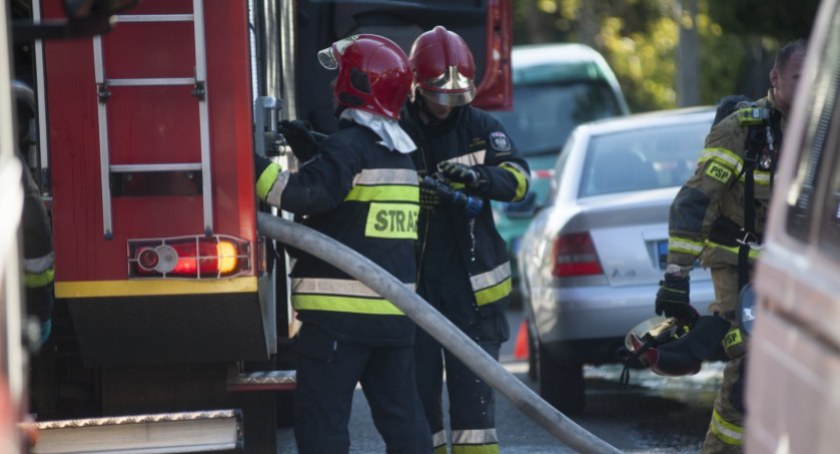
[[471, 205]]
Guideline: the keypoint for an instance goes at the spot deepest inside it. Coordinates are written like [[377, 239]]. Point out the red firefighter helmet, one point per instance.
[[673, 347], [373, 74], [443, 67]]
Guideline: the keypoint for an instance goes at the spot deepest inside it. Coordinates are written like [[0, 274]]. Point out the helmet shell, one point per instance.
[[443, 68], [373, 74]]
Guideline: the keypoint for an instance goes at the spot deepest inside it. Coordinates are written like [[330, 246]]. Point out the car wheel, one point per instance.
[[532, 354], [561, 385]]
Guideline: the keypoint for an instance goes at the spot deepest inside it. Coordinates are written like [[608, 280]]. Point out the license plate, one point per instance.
[[662, 252]]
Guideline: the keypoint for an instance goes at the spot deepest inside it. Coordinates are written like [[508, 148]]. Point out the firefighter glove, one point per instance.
[[429, 197], [672, 297], [301, 138], [461, 173]]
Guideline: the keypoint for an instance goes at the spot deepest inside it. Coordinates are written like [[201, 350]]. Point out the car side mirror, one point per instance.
[[524, 208], [745, 314]]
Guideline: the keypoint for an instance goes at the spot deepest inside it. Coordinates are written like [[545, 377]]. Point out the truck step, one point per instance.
[[272, 380], [198, 431]]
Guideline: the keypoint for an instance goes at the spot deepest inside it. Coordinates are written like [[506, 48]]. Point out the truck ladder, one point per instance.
[[151, 433], [200, 93]]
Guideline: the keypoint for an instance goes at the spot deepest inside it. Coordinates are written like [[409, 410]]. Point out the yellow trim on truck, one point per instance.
[[154, 287]]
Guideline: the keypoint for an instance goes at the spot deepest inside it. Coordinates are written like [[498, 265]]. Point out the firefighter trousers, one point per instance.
[[328, 371], [726, 429], [471, 400]]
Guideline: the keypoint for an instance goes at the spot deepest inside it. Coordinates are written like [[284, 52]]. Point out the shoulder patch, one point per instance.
[[499, 141]]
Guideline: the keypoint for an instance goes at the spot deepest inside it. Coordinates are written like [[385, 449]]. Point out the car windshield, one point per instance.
[[642, 158], [544, 115]]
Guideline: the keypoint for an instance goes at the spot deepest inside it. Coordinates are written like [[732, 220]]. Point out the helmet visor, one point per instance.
[[328, 57], [449, 89]]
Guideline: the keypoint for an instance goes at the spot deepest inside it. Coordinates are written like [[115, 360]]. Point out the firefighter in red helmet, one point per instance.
[[358, 185], [464, 270]]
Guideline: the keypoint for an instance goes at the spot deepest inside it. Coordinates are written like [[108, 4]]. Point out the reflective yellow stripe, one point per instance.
[[267, 179], [42, 279], [440, 450], [723, 156], [753, 254], [732, 338], [375, 306], [384, 193], [761, 177], [392, 220], [727, 432], [521, 180], [685, 246], [493, 294], [475, 449], [154, 287]]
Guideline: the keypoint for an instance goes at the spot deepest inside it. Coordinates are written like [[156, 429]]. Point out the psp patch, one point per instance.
[[499, 141]]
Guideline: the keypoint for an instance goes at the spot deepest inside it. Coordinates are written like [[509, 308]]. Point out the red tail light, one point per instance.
[[574, 255], [197, 257]]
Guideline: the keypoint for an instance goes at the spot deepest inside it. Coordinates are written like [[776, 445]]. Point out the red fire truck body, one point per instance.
[[130, 173]]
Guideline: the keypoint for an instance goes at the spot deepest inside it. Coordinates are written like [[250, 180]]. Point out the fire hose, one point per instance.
[[438, 326]]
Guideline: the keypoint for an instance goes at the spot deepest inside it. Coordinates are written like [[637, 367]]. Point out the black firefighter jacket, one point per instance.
[[365, 196], [464, 265]]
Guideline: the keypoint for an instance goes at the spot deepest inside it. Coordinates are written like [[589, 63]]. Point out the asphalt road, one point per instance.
[[652, 415]]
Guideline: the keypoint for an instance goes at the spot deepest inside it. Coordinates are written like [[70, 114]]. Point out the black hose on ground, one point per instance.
[[438, 326]]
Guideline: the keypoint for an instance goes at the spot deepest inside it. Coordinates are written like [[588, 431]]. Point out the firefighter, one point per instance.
[[464, 270], [38, 269], [719, 216], [38, 256], [361, 189]]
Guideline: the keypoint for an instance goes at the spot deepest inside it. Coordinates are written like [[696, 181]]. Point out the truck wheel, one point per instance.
[[561, 385]]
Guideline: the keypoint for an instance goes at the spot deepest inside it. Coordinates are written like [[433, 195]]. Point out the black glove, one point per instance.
[[429, 198], [301, 138], [461, 173], [672, 298]]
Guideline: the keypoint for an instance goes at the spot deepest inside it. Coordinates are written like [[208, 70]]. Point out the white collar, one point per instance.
[[393, 136]]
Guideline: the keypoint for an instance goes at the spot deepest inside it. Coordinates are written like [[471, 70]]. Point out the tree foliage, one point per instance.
[[640, 40]]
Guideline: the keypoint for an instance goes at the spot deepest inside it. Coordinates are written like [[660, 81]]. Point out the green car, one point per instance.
[[555, 88]]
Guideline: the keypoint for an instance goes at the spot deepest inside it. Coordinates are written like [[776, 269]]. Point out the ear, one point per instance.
[[774, 77]]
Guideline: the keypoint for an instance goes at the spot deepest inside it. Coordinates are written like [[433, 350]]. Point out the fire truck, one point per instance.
[[172, 330]]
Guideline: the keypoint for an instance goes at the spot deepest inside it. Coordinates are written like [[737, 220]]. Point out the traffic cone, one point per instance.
[[520, 350]]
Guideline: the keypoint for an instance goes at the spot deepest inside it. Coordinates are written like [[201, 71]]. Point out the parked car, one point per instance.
[[793, 374], [592, 259], [555, 88]]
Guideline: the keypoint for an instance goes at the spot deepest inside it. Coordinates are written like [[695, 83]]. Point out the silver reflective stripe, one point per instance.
[[275, 195], [439, 438], [490, 278], [39, 264], [474, 437], [370, 177], [470, 159], [342, 287]]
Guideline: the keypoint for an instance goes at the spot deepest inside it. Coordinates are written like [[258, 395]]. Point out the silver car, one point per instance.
[[592, 259]]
